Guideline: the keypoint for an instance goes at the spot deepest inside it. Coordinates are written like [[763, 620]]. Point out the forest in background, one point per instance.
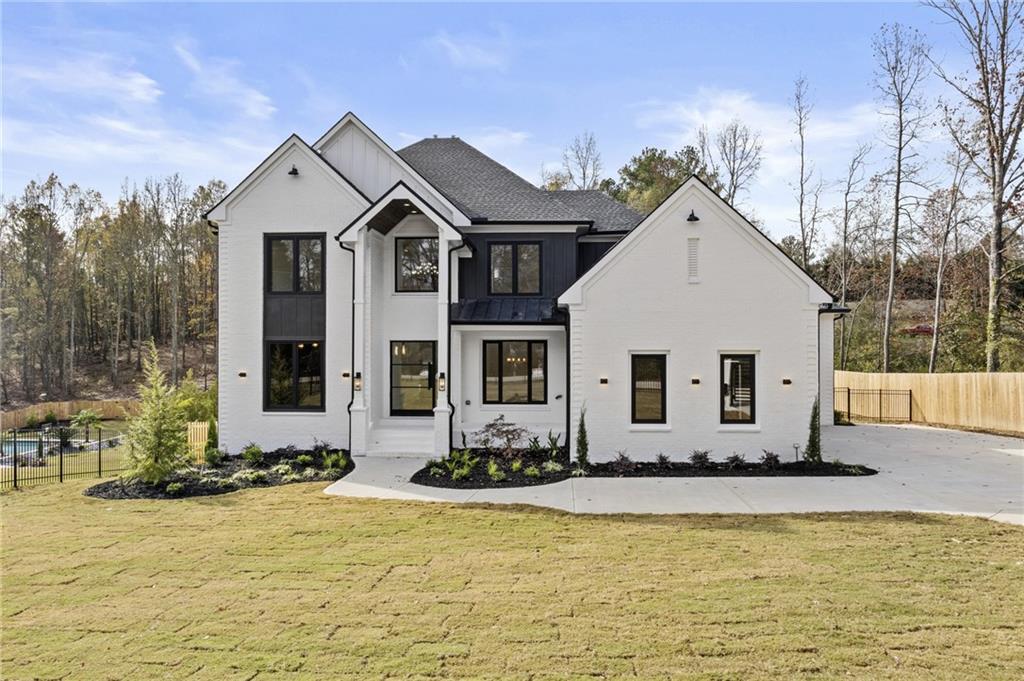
[[923, 245]]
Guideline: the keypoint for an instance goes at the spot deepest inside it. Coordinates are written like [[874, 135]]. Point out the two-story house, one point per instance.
[[389, 301]]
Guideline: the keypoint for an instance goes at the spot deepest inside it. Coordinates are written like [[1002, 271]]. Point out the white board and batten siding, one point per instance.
[[693, 291]]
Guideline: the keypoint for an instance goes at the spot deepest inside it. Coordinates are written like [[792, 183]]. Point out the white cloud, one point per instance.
[[832, 135], [491, 140], [216, 78], [473, 52], [93, 75]]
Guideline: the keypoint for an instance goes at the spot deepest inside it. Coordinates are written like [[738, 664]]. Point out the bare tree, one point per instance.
[[733, 154], [943, 214], [901, 65], [581, 162], [986, 126], [855, 176], [808, 190]]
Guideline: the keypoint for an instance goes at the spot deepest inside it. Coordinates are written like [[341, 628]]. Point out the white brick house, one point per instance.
[[389, 301]]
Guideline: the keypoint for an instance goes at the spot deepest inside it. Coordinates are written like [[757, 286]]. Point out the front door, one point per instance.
[[412, 377]]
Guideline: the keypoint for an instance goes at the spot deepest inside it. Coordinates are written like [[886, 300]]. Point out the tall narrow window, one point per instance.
[[295, 264], [416, 264], [738, 396], [648, 386], [293, 376], [515, 372], [515, 269]]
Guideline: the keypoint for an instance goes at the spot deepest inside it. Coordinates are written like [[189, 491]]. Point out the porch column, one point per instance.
[[442, 412], [360, 414]]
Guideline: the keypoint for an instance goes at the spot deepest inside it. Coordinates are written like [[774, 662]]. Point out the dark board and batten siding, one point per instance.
[[294, 317], [558, 262], [589, 253]]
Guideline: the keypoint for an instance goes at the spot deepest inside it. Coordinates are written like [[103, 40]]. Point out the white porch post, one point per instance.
[[442, 412], [360, 414]]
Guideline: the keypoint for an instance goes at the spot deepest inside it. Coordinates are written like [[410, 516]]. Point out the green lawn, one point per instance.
[[288, 583]]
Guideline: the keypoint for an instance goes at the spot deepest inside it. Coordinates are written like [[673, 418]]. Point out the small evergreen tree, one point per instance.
[[159, 443], [582, 446], [211, 435], [812, 452]]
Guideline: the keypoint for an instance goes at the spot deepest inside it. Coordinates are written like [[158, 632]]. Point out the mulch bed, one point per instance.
[[479, 479], [675, 469], [224, 478]]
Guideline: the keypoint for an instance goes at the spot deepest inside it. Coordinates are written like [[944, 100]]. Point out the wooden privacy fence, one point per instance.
[[107, 409], [198, 431], [981, 401]]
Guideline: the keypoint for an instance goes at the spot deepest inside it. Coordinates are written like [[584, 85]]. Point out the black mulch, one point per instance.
[[479, 478], [674, 469], [210, 480]]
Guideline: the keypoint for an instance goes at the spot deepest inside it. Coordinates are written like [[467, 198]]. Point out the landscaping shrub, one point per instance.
[[531, 472], [249, 477], [213, 457], [175, 488], [211, 434], [494, 471], [197, 404], [304, 460], [812, 452], [32, 422], [554, 449], [51, 417], [701, 458], [252, 454], [517, 465], [460, 463], [552, 467], [734, 460], [582, 446], [281, 469], [770, 460], [534, 445], [335, 461], [663, 459], [506, 435], [157, 435]]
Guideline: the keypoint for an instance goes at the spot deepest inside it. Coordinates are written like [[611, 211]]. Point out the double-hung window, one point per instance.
[[647, 384], [515, 269], [416, 264], [515, 372], [738, 396]]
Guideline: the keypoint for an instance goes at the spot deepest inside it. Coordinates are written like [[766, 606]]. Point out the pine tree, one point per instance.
[[812, 452], [159, 443]]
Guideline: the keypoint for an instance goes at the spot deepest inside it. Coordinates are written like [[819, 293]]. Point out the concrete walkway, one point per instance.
[[920, 469]]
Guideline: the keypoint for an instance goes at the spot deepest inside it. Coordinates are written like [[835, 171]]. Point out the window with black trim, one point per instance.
[[295, 263], [515, 268], [416, 264], [738, 396], [293, 375], [647, 385], [515, 372]]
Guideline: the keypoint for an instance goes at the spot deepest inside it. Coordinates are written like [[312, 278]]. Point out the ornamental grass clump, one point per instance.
[[159, 443]]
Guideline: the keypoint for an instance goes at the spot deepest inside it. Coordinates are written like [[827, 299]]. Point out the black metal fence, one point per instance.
[[882, 406], [58, 453]]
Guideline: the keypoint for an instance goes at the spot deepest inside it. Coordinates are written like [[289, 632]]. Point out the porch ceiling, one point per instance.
[[391, 214]]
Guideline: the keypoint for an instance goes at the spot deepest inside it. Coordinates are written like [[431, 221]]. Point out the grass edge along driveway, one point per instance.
[[289, 583]]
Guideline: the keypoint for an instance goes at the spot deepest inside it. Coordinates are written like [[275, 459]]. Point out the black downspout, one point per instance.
[[568, 387], [352, 344], [450, 381]]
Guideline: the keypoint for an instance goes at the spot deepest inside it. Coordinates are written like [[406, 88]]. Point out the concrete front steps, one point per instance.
[[402, 437]]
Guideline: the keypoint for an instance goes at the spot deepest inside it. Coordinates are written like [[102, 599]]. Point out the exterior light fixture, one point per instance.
[[787, 381], [345, 375], [242, 373], [357, 382], [693, 217], [441, 382], [294, 172], [694, 381], [603, 381]]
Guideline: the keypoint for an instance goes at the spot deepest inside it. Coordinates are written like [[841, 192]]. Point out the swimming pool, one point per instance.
[[21, 446]]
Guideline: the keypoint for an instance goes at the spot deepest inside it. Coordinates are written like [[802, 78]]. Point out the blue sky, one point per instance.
[[98, 93]]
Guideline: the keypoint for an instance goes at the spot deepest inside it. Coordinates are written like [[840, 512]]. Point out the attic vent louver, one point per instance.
[[691, 260]]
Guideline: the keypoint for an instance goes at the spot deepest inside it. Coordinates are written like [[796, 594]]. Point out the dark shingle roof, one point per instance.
[[517, 310], [608, 214]]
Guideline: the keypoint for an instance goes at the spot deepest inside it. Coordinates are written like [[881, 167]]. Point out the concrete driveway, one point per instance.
[[920, 469]]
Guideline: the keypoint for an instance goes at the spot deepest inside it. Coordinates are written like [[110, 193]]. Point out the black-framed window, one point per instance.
[[294, 263], [738, 398], [293, 376], [514, 268], [515, 372], [416, 264], [647, 388]]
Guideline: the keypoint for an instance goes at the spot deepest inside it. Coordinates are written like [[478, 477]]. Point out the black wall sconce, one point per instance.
[[242, 374], [357, 382], [345, 375], [294, 172], [693, 217], [694, 381], [603, 381], [787, 381]]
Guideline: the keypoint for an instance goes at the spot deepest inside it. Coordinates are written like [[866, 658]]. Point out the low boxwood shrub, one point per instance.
[[252, 454], [175, 488], [531, 472], [304, 460]]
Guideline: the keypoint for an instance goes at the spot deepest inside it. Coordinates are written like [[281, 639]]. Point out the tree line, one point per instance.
[[902, 235], [86, 284]]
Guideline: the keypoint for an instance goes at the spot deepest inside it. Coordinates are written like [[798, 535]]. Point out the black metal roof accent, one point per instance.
[[507, 311]]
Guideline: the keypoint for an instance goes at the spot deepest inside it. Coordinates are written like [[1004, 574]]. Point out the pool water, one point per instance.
[[20, 446]]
